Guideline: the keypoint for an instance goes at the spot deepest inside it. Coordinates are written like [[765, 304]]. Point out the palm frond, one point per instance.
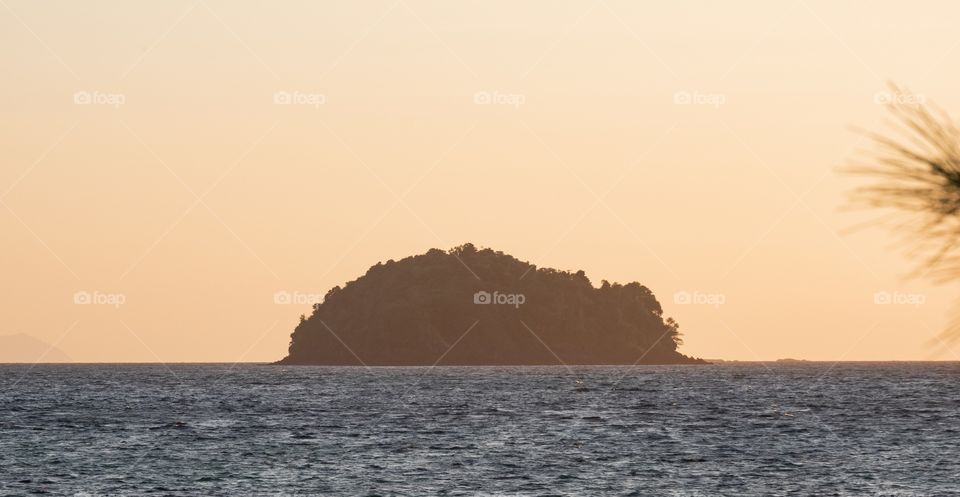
[[916, 174]]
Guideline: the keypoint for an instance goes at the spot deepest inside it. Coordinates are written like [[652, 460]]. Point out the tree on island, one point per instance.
[[468, 306]]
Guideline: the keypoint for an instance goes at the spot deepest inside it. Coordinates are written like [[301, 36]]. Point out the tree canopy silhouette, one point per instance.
[[429, 309]]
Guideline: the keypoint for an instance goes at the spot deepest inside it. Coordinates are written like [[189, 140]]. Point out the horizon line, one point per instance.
[[268, 363]]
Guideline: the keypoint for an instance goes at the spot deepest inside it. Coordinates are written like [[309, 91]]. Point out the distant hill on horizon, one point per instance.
[[23, 348], [482, 307]]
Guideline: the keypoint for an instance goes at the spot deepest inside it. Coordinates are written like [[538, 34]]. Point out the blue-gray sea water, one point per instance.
[[746, 429]]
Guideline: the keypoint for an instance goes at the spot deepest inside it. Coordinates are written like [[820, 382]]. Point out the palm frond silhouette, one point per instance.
[[915, 177]]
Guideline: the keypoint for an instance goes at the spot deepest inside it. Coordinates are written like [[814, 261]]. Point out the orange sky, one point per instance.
[[190, 159]]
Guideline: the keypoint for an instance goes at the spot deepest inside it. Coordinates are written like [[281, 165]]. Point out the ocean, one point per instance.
[[737, 429]]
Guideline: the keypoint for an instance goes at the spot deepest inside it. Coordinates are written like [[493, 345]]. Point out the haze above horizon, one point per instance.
[[171, 168]]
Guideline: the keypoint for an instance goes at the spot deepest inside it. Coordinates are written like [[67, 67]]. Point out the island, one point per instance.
[[469, 306]]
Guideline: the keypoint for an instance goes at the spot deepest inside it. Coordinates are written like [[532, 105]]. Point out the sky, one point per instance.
[[169, 167]]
